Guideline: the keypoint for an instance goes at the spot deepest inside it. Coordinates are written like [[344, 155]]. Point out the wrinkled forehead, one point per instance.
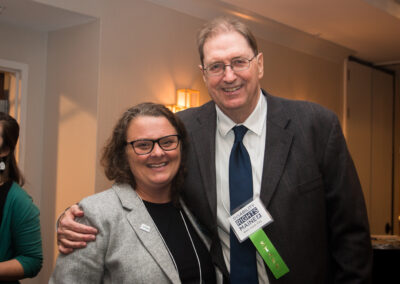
[[226, 45]]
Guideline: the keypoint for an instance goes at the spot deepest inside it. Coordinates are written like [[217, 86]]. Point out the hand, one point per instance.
[[72, 235]]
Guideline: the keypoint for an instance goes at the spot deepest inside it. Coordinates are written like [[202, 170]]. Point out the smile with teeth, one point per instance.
[[232, 89], [157, 165]]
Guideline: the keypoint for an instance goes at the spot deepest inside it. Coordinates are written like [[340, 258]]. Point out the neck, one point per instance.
[[159, 195], [2, 180], [238, 116]]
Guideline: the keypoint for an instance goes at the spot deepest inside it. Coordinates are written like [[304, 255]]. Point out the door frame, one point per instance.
[[21, 72], [395, 212]]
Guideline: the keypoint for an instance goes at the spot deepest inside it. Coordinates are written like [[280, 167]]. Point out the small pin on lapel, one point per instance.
[[145, 228]]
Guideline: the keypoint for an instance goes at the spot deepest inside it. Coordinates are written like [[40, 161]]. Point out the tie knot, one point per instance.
[[240, 131]]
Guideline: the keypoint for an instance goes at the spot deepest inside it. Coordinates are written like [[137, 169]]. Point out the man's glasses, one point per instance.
[[237, 64], [145, 146]]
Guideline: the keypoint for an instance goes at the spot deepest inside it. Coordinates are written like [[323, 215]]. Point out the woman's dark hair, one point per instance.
[[114, 158], [9, 135]]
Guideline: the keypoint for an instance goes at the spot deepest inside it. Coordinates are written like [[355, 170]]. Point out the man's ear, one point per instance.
[[202, 72], [260, 65]]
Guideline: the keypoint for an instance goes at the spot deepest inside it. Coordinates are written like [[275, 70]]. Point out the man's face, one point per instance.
[[236, 93]]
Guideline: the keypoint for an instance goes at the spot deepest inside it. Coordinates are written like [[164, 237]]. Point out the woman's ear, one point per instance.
[[4, 153]]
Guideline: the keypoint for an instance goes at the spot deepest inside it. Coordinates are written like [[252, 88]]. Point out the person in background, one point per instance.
[[20, 240], [145, 233], [300, 168]]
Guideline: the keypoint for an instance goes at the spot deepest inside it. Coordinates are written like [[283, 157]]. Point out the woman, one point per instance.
[[21, 244], [145, 233]]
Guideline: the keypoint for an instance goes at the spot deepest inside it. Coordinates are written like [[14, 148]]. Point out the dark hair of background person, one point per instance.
[[114, 158], [221, 25], [10, 136]]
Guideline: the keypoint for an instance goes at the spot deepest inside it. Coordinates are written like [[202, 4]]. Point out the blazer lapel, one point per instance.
[[277, 146], [203, 142], [146, 230]]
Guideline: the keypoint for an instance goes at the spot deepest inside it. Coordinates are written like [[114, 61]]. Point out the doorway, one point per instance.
[[13, 95], [369, 134]]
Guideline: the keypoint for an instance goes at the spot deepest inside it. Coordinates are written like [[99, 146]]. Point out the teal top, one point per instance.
[[20, 232]]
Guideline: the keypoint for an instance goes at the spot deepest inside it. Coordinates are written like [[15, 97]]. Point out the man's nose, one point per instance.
[[229, 74]]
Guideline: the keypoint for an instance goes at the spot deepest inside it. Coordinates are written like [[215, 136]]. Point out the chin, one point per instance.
[[232, 105], [162, 182]]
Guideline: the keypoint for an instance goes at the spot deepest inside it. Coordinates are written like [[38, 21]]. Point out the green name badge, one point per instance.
[[247, 222], [269, 253]]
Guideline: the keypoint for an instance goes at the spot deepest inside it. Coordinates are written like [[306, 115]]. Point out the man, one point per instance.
[[300, 169]]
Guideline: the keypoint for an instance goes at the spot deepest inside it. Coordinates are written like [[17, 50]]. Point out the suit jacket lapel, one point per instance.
[[203, 142], [277, 146], [150, 239]]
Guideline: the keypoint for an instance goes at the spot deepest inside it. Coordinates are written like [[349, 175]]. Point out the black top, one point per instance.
[[4, 188], [172, 228]]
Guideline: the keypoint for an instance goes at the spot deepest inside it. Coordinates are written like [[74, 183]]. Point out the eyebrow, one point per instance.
[[220, 61]]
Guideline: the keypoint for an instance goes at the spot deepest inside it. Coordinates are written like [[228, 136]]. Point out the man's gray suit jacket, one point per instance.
[[309, 185]]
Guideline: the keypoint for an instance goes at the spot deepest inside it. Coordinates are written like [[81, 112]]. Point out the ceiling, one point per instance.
[[37, 16], [369, 29]]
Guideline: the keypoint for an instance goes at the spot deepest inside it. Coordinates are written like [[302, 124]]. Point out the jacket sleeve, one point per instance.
[[26, 235], [349, 236], [84, 265]]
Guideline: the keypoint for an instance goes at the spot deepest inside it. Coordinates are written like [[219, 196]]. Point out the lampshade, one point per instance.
[[185, 98]]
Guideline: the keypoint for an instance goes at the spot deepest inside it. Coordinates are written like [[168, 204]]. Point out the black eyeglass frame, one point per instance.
[[206, 69], [154, 142]]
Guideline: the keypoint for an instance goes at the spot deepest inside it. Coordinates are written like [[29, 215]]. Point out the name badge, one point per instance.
[[249, 219], [248, 222]]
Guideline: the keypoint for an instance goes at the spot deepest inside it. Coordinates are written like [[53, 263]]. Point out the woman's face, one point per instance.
[[154, 171], [3, 152], [1, 135]]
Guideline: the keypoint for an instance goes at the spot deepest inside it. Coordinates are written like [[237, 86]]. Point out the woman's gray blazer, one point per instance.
[[128, 247]]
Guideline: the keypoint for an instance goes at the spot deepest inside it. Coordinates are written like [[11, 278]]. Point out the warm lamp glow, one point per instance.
[[185, 98]]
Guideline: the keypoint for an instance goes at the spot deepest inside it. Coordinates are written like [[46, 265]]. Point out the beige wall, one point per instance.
[[69, 156], [154, 53], [299, 76], [396, 197]]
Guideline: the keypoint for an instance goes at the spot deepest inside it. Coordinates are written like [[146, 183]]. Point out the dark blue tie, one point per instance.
[[243, 255]]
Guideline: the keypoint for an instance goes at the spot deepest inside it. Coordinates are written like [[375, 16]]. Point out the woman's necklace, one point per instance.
[[191, 241], [194, 247]]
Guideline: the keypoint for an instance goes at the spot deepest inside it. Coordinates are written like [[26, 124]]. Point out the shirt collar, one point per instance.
[[255, 122]]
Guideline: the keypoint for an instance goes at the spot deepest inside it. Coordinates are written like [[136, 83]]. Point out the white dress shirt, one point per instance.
[[254, 141]]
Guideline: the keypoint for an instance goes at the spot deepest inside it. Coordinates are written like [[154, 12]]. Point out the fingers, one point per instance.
[[71, 234], [64, 250], [74, 211], [75, 235], [69, 240], [70, 244], [68, 226]]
